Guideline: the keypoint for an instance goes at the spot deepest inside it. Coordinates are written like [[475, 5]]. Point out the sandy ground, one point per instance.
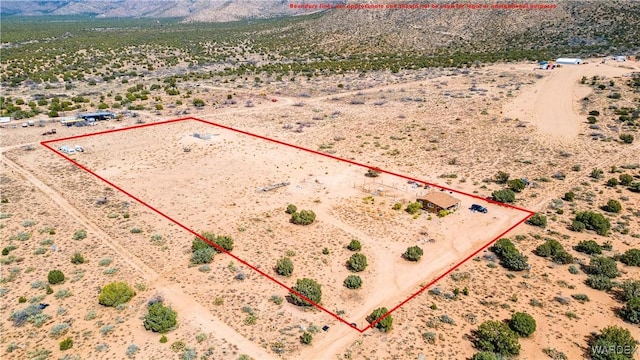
[[428, 125]]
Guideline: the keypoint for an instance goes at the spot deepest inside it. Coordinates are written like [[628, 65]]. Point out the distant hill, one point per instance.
[[190, 10]]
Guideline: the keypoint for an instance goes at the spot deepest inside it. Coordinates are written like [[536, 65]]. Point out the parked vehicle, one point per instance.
[[25, 125], [79, 148], [478, 208]]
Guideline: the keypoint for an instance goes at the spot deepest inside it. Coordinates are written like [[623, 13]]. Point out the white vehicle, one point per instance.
[[78, 148], [67, 149], [25, 125]]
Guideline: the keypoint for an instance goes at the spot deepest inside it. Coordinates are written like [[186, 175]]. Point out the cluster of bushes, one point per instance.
[[504, 196], [284, 266], [552, 248], [588, 247], [509, 256], [591, 221], [538, 220], [202, 252], [304, 217], [385, 323], [613, 337], [612, 206], [497, 337], [55, 277], [631, 257], [601, 271], [413, 253], [630, 294]]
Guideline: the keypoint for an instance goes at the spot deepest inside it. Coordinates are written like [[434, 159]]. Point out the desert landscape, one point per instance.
[[134, 206]]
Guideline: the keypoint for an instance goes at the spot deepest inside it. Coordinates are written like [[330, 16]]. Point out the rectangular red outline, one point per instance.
[[372, 324]]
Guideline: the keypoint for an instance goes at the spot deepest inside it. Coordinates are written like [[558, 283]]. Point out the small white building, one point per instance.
[[620, 58], [569, 61]]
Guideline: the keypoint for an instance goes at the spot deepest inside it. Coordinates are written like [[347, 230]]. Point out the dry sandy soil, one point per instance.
[[453, 127]]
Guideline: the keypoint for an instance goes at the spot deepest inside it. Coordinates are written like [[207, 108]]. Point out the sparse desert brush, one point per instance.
[[496, 336], [354, 245], [105, 261], [115, 293], [77, 258], [357, 262], [306, 338], [304, 217], [353, 282], [66, 344], [538, 219], [414, 208], [291, 209], [80, 234], [59, 330]]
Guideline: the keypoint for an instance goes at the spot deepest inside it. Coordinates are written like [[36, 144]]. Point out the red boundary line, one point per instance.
[[372, 324]]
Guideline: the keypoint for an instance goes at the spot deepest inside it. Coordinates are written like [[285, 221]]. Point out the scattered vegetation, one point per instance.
[[115, 293]]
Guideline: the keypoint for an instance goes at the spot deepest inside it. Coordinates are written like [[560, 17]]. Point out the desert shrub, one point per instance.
[[626, 138], [562, 258], [599, 282], [631, 257], [603, 266], [502, 177], [613, 182], [59, 329], [77, 258], [413, 208], [105, 261], [569, 196], [135, 230], [504, 196], [580, 297], [160, 318], [353, 282], [115, 293], [66, 344], [372, 173], [588, 247], [80, 234], [578, 226], [612, 337], [397, 206], [484, 355], [625, 179], [596, 173], [510, 257], [523, 324], [594, 221], [635, 187], [284, 266], [385, 323], [629, 289], [549, 248], [357, 262], [304, 217], [55, 277], [413, 253], [354, 245], [497, 337], [429, 337], [291, 209], [201, 251], [163, 339], [612, 206], [308, 288], [631, 311], [538, 220], [5, 252], [517, 185], [306, 338], [225, 242]]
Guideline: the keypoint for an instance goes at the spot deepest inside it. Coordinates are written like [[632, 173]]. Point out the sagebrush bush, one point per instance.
[[385, 324], [77, 258], [357, 262], [55, 277], [115, 293], [413, 253], [354, 245], [160, 318], [284, 266], [353, 282], [304, 217], [310, 289], [523, 324], [66, 344]]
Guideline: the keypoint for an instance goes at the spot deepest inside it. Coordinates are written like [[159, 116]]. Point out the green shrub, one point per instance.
[[397, 206], [115, 293], [613, 182], [502, 177], [202, 256], [385, 323], [549, 248], [77, 258], [510, 257], [284, 266], [413, 253], [580, 297], [308, 288], [354, 245], [538, 220], [599, 282], [612, 337], [306, 338], [80, 234], [357, 262], [413, 208], [589, 247], [291, 209], [631, 257], [625, 179], [55, 277], [497, 337], [304, 217], [612, 206], [631, 311], [578, 226], [523, 324], [5, 251], [603, 266], [504, 196], [66, 344], [517, 185], [569, 196], [160, 318], [484, 355], [225, 242], [562, 258], [163, 339], [353, 282], [629, 289], [626, 138], [594, 221]]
